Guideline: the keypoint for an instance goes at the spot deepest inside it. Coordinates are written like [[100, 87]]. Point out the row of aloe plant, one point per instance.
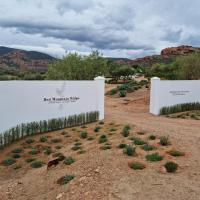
[[180, 108], [32, 128]]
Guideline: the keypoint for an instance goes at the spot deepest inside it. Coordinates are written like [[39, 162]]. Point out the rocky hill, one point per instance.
[[168, 55], [24, 60]]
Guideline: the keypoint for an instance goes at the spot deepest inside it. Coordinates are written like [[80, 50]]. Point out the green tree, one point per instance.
[[188, 67], [77, 67]]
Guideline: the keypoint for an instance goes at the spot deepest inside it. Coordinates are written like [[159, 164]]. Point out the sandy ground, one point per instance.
[[105, 174]]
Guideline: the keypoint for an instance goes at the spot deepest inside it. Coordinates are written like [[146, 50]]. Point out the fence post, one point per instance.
[[154, 96], [100, 81]]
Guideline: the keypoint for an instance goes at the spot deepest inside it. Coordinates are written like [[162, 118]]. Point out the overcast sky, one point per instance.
[[118, 28]]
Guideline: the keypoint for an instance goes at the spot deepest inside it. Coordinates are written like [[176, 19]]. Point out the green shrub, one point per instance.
[[84, 134], [106, 147], [176, 153], [8, 162], [164, 141], [18, 150], [59, 155], [121, 146], [103, 138], [68, 161], [154, 157], [34, 151], [29, 160], [122, 93], [43, 139], [112, 92], [138, 141], [148, 147], [47, 151], [56, 140], [30, 141], [36, 164], [152, 137], [129, 150], [97, 128], [136, 165], [65, 179], [16, 155], [112, 129], [171, 167], [126, 130]]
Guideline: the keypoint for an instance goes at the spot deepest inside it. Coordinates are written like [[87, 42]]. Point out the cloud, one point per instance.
[[123, 28]]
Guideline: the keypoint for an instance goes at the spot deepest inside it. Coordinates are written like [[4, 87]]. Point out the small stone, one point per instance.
[[59, 196]]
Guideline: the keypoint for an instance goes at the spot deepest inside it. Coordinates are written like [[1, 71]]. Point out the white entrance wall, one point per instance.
[[28, 101], [168, 93]]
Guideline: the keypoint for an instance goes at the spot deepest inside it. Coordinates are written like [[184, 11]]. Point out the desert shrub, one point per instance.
[[176, 153], [47, 151], [122, 93], [126, 130], [34, 151], [16, 155], [136, 165], [17, 167], [59, 155], [84, 134], [148, 147], [129, 150], [30, 141], [103, 138], [138, 141], [152, 137], [154, 157], [36, 164], [97, 128], [56, 140], [171, 167], [18, 150], [112, 92], [65, 179], [106, 146], [29, 160], [121, 146], [180, 108], [83, 126], [164, 141], [8, 162], [68, 161], [101, 122], [43, 139]]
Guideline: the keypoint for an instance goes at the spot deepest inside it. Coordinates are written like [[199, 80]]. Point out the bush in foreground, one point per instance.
[[37, 164], [148, 147], [8, 162], [164, 141], [171, 167], [68, 161], [65, 179], [154, 157], [138, 141], [43, 139], [17, 150], [152, 137], [103, 138], [84, 135], [129, 150]]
